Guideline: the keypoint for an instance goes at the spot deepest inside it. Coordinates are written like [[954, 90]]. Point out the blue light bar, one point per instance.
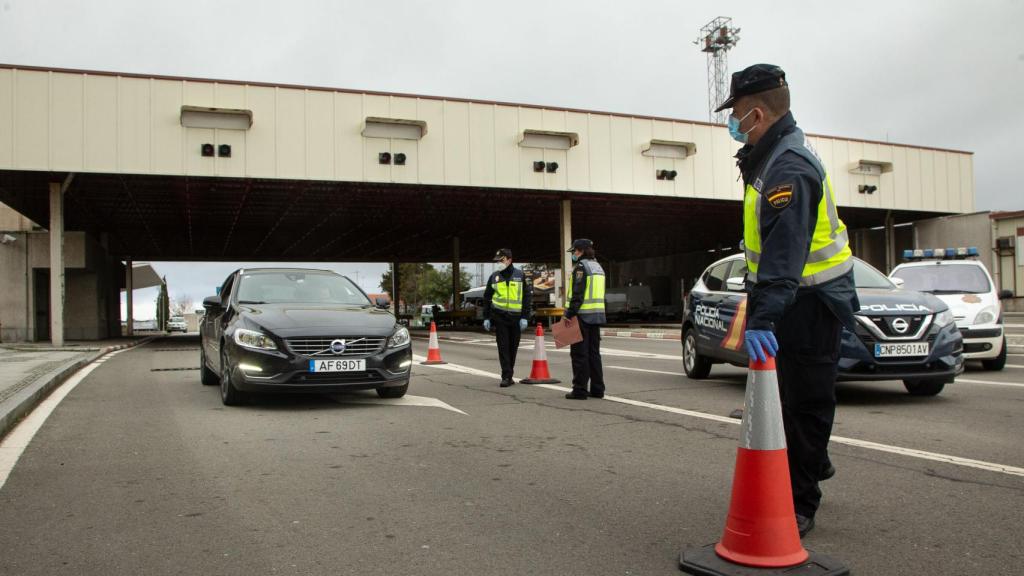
[[938, 253], [972, 251], [908, 254], [928, 253], [950, 252]]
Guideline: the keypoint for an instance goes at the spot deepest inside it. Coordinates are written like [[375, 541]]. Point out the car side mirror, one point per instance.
[[735, 284], [212, 303], [899, 282], [1005, 294], [381, 302]]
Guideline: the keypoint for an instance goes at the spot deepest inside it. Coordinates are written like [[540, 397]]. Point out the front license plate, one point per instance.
[[337, 365], [901, 349]]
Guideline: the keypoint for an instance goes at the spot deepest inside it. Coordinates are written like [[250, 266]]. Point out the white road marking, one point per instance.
[[989, 382], [911, 452], [406, 400], [646, 370], [17, 440], [1014, 365]]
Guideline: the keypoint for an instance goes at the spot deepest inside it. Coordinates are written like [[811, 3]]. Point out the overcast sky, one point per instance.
[[941, 73]]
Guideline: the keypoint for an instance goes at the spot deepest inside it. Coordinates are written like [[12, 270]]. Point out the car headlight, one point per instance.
[[944, 318], [254, 340], [399, 338], [986, 316]]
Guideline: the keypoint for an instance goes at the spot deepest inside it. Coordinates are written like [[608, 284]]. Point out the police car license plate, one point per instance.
[[901, 349], [337, 365]]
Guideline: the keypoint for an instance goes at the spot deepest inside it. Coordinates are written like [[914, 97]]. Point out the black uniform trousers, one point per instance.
[[506, 330], [586, 361], [807, 365]]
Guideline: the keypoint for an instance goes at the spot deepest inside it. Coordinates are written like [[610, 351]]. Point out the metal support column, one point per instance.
[[57, 264], [565, 236], [890, 242], [456, 275], [128, 288]]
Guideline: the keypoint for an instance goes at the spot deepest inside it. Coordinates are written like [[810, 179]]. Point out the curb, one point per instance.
[[25, 401], [646, 335]]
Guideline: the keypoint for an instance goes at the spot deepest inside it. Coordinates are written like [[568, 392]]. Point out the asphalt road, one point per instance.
[[145, 472]]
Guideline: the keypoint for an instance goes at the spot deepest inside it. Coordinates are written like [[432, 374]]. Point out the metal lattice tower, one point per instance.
[[716, 39]]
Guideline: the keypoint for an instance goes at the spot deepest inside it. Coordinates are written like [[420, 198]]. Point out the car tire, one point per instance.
[[393, 391], [229, 395], [206, 376], [696, 366], [924, 387], [997, 363]]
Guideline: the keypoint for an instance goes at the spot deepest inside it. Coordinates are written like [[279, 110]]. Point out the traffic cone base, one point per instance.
[[706, 562], [433, 350], [539, 374]]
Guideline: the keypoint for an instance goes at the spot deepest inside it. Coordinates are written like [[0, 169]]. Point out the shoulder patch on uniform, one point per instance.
[[579, 274], [780, 196]]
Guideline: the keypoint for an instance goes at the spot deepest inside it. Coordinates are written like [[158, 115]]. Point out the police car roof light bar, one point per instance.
[[942, 253]]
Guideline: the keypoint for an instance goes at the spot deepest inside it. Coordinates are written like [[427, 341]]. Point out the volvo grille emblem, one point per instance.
[[338, 346], [900, 325]]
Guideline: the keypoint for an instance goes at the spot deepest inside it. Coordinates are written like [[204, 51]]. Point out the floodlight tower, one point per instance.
[[716, 39]]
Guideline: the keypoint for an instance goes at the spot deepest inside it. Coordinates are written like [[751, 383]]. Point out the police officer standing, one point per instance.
[[800, 272], [586, 301], [507, 308]]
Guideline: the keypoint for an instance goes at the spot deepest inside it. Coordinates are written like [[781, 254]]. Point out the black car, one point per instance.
[[900, 334], [298, 330]]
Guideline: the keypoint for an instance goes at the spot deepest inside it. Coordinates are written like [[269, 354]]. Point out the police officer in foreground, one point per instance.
[[507, 309], [586, 301], [800, 272]]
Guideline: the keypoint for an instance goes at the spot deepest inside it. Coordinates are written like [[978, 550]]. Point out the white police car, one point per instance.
[[963, 283], [900, 334]]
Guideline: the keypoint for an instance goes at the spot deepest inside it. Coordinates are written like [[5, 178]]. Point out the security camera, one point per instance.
[[7, 239]]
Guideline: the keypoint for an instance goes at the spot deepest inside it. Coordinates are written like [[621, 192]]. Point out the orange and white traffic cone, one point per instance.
[[760, 530], [540, 374], [433, 350]]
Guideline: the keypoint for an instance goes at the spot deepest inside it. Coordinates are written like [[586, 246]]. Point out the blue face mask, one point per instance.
[[575, 258], [734, 128]]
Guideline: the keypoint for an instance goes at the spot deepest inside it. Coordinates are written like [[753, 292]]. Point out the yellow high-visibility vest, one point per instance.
[[508, 295], [593, 295], [829, 254]]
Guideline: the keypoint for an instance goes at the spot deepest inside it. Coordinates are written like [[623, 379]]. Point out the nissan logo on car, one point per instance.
[[900, 325], [338, 347]]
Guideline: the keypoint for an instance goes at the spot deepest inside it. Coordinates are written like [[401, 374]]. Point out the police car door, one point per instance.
[[733, 313], [708, 309]]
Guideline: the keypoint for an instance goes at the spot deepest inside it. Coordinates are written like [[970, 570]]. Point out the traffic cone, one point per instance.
[[433, 350], [539, 374], [760, 531]]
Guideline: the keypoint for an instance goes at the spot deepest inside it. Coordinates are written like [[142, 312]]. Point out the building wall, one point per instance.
[[98, 122], [91, 309], [957, 231], [1011, 266]]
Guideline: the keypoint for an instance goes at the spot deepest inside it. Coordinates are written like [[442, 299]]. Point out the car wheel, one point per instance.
[[998, 362], [393, 391], [924, 387], [206, 376], [229, 395], [695, 365]]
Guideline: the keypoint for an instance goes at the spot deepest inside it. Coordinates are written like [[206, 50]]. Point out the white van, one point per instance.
[[963, 283]]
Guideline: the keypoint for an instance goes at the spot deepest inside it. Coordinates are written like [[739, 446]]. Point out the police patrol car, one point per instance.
[[900, 334], [963, 283]]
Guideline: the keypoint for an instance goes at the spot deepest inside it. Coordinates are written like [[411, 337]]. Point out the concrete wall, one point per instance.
[[92, 304], [1010, 268], [116, 123], [956, 231]]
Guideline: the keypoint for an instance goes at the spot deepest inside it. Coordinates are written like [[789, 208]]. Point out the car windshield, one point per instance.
[[296, 287], [177, 319], [866, 276], [944, 279]]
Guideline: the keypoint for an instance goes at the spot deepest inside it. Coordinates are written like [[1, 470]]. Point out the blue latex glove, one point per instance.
[[487, 325], [522, 324], [761, 344]]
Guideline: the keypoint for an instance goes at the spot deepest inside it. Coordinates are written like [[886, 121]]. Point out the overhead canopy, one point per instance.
[[168, 218], [144, 276]]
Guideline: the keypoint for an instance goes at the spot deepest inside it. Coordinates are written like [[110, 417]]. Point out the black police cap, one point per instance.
[[580, 244], [502, 253], [751, 80]]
